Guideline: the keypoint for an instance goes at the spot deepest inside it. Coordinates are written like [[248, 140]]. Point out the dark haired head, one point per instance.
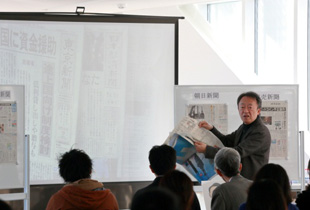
[[162, 159], [154, 199], [278, 174], [4, 205], [253, 95], [179, 183], [74, 165], [265, 194]]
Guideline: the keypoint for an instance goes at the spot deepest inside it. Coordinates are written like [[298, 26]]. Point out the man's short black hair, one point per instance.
[[74, 165], [251, 94], [162, 159], [155, 198], [4, 205]]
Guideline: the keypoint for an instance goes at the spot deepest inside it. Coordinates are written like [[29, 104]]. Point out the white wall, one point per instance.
[[198, 63]]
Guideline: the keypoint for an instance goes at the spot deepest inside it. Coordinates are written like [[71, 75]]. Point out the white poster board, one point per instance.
[[279, 112]]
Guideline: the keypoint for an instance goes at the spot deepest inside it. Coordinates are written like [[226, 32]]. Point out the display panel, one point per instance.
[[279, 113]]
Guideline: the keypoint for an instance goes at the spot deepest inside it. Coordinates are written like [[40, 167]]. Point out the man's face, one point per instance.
[[248, 109]]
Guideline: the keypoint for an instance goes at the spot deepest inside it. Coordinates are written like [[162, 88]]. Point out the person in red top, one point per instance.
[[80, 192]]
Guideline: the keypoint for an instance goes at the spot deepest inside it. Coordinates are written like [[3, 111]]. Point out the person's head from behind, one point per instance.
[[4, 205], [179, 183], [155, 198], [265, 194], [162, 159], [227, 162], [75, 165], [278, 174], [249, 106]]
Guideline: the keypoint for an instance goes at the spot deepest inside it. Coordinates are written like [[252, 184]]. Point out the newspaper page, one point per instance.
[[182, 139], [189, 129], [215, 114], [8, 132], [274, 116]]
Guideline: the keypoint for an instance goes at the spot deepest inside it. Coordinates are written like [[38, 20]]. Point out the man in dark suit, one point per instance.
[[233, 192], [162, 160], [252, 139]]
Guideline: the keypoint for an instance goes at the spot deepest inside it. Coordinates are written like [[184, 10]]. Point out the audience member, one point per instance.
[[278, 174], [163, 160], [80, 192], [179, 183], [265, 194], [233, 192], [4, 205], [155, 198], [303, 199]]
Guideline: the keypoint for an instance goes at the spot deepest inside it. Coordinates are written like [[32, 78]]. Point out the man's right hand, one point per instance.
[[200, 147], [204, 124]]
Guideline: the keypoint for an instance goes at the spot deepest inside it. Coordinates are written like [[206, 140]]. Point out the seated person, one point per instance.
[[80, 192], [4, 205], [278, 174], [155, 198], [179, 183], [163, 159], [265, 194], [303, 199], [233, 192]]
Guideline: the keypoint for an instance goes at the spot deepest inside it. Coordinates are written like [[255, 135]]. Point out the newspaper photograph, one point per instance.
[[182, 139], [216, 114]]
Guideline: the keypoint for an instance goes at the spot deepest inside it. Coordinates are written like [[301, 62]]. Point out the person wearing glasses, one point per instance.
[[252, 139]]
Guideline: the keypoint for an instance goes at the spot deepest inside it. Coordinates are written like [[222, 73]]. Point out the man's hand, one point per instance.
[[200, 147], [204, 124]]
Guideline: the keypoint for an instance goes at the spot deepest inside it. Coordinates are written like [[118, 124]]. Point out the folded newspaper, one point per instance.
[[182, 139]]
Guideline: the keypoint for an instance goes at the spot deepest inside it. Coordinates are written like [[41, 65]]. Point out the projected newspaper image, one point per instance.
[[91, 86]]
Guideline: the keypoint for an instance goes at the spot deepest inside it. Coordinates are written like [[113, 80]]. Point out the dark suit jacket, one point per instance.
[[155, 183], [303, 199], [253, 146], [230, 195]]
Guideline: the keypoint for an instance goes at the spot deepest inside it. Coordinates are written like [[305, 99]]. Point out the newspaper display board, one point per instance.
[[218, 105]]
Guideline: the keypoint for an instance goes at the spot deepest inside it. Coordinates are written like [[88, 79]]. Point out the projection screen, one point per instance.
[[102, 86]]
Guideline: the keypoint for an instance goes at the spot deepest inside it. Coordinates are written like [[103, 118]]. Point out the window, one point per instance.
[[275, 40], [225, 20]]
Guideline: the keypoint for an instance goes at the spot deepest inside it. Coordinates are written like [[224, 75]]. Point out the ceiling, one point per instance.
[[91, 6]]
